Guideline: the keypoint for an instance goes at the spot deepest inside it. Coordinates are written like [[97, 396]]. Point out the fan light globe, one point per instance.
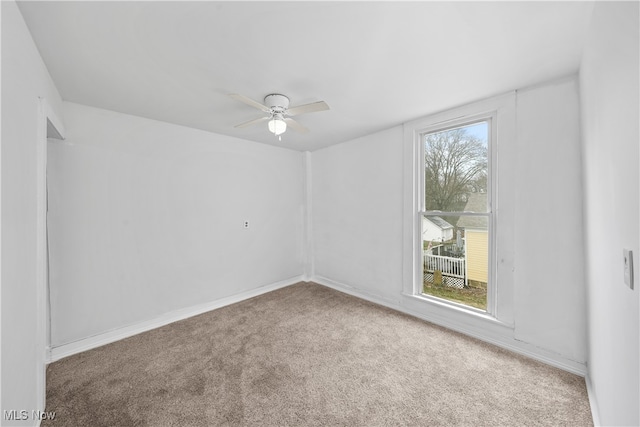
[[277, 126]]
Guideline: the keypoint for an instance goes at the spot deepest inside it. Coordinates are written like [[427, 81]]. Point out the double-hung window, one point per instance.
[[459, 204], [455, 212]]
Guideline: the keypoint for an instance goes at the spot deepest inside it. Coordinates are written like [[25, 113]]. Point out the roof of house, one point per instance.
[[439, 222], [477, 202]]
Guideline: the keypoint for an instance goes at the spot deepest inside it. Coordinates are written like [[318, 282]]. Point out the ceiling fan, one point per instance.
[[278, 112]]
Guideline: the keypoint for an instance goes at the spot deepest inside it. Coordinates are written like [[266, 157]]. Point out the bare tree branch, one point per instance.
[[455, 165]]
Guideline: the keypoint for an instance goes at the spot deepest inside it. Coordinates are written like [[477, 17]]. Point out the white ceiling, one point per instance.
[[377, 64]]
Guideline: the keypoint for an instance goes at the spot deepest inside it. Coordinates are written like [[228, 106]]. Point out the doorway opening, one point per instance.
[[50, 128]]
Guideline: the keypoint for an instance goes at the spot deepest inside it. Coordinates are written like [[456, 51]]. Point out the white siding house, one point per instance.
[[436, 229]]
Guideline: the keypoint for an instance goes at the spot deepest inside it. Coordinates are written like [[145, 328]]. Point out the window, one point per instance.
[[459, 215], [456, 213]]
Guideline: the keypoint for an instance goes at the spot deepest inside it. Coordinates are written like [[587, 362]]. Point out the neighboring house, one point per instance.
[[436, 229], [476, 233]]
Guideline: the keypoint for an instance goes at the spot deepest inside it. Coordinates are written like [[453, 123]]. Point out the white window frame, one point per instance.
[[490, 119], [500, 111]]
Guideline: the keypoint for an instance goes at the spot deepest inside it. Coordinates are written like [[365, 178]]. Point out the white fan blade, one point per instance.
[[250, 102], [252, 122], [295, 125], [308, 108]]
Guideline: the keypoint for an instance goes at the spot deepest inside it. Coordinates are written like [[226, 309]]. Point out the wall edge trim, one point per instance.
[[593, 402], [505, 341], [79, 346]]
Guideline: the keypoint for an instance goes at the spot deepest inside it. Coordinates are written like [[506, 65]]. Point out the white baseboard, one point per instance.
[[505, 341], [94, 341], [595, 413], [490, 331]]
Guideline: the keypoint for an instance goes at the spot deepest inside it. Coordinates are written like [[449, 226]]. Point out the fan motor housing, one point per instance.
[[276, 102]]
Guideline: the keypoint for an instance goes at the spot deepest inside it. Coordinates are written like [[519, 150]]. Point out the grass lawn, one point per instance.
[[475, 295]]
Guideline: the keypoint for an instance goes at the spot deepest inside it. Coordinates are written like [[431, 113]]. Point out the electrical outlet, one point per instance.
[[246, 224], [628, 267]]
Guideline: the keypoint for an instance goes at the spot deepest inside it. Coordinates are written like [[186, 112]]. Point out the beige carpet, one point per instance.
[[307, 355]]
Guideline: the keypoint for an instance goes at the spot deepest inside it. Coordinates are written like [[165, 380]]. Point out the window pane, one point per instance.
[[456, 166], [455, 258]]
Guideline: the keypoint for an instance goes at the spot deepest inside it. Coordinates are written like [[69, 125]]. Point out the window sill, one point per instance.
[[452, 304], [455, 316]]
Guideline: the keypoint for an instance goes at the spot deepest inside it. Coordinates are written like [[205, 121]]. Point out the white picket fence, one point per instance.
[[453, 269]]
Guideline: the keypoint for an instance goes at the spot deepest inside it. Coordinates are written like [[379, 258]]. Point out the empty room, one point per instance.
[[320, 213]]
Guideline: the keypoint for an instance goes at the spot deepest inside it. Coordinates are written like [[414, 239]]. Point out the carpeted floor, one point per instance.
[[307, 355]]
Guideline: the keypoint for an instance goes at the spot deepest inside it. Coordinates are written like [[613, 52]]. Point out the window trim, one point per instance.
[[501, 110], [491, 119]]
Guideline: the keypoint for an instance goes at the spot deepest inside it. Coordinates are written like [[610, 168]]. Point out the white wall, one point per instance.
[[357, 187], [610, 114], [147, 217], [357, 213], [24, 79], [549, 267]]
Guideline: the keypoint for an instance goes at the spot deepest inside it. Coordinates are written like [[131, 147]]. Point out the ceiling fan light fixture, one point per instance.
[[277, 107], [277, 125]]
